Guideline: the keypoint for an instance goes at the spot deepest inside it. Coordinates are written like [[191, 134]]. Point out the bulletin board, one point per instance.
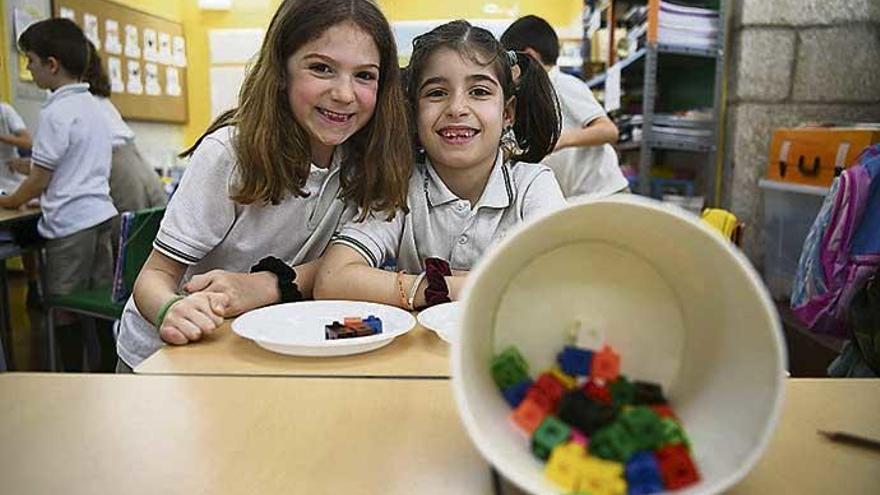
[[144, 56]]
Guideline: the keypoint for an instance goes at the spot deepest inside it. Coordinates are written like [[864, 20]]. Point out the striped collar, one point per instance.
[[497, 194]]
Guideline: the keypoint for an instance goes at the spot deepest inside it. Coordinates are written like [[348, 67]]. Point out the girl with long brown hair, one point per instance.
[[319, 134]]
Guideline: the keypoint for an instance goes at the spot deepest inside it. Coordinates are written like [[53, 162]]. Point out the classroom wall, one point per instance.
[[791, 62], [160, 141]]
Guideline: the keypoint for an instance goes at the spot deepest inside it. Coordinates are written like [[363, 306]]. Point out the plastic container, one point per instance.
[[789, 212], [681, 305]]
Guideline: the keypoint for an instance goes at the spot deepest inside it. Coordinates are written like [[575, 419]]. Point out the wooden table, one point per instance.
[[81, 434], [217, 435], [9, 216], [419, 353]]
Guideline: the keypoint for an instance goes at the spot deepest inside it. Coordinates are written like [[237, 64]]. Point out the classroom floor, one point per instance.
[[28, 339]]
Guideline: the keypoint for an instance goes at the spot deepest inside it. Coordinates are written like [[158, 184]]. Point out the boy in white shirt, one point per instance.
[[584, 162], [13, 136], [70, 166]]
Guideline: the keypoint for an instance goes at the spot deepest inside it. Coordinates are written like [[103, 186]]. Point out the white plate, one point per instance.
[[442, 319], [298, 328]]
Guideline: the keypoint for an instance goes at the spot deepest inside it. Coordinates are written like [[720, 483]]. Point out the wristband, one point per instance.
[[400, 291], [287, 288], [437, 292], [160, 316]]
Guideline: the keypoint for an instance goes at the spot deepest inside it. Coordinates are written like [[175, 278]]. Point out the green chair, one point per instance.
[[135, 243]]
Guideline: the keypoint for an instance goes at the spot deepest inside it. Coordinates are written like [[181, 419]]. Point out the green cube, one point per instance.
[[509, 368], [623, 393], [673, 434], [613, 443], [645, 427], [548, 435]]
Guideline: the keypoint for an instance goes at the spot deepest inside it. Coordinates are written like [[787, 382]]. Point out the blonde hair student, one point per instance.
[[478, 129], [319, 132]]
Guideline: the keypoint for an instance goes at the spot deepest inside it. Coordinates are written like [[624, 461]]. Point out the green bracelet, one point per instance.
[[160, 316]]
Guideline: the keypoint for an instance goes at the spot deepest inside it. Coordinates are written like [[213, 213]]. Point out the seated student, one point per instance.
[[319, 132], [478, 129], [13, 137], [584, 161], [133, 183], [69, 171]]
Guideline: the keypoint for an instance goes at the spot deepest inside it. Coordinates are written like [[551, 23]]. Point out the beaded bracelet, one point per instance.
[[400, 291], [437, 292]]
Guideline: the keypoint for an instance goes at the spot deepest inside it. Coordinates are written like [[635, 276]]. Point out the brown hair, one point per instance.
[[95, 75], [272, 148], [537, 122]]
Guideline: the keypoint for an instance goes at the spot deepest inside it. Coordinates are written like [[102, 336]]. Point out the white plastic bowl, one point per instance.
[[681, 305]]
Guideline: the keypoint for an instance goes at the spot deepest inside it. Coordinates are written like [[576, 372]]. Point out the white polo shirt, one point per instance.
[[75, 146], [10, 123], [120, 132], [205, 229], [440, 224], [591, 171]]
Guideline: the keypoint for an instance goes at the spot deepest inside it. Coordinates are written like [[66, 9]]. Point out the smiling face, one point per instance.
[[461, 111], [332, 87]]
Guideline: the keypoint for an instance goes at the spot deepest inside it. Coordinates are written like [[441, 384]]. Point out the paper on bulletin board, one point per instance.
[[132, 42], [164, 48], [151, 45], [179, 51], [612, 88], [114, 65], [67, 13], [134, 85], [152, 87], [172, 81], [234, 46], [112, 44], [90, 28]]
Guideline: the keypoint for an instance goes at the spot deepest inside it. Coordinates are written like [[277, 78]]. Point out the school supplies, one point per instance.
[[352, 327], [598, 432]]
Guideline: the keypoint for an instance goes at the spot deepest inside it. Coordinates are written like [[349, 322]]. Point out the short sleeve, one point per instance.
[[375, 238], [542, 195], [576, 98], [13, 119], [201, 212], [51, 141]]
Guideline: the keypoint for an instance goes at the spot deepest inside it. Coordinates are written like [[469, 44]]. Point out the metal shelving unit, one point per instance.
[[650, 56]]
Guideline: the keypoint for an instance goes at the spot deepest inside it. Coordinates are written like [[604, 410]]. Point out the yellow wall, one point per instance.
[[4, 69], [258, 13]]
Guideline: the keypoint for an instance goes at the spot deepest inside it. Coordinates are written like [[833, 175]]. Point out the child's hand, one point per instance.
[[192, 317], [244, 291]]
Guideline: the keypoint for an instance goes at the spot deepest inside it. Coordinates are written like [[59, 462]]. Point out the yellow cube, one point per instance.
[[567, 381], [565, 465]]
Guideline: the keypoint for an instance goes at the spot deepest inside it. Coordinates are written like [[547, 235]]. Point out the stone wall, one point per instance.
[[790, 62]]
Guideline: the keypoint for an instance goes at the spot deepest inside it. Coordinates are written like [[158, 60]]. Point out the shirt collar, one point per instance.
[[66, 90], [497, 194]]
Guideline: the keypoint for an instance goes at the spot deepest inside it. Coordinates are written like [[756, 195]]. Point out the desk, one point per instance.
[[184, 434], [88, 434], [8, 250], [419, 353]]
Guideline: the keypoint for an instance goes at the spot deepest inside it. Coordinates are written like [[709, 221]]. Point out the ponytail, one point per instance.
[[537, 122], [99, 83]]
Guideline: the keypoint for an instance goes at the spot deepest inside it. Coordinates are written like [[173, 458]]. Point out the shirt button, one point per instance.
[[463, 239]]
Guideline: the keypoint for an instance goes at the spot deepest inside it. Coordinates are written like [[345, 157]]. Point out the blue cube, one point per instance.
[[575, 361], [515, 393]]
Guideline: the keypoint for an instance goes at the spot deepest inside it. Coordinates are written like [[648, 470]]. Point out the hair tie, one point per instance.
[[511, 57]]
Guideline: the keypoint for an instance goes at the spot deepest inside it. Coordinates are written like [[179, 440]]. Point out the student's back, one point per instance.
[[75, 145]]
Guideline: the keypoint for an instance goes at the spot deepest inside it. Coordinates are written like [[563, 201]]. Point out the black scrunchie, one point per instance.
[[286, 278]]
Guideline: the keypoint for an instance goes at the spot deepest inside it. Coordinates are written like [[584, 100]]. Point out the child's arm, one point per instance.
[[247, 291], [31, 188], [21, 139], [345, 274], [186, 320], [598, 132]]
